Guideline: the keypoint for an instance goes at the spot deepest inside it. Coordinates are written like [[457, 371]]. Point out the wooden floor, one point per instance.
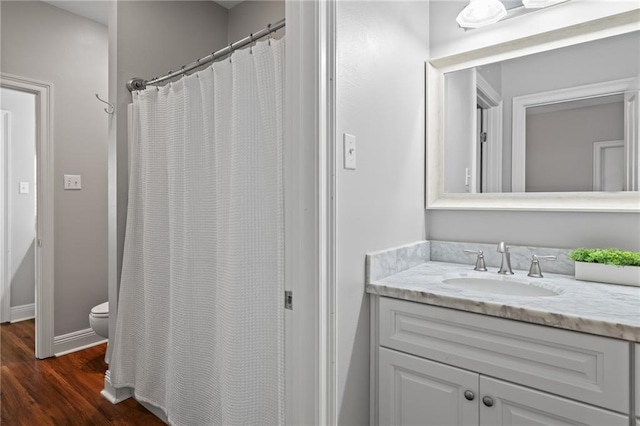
[[57, 391]]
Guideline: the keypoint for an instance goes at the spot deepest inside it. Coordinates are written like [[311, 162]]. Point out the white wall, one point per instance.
[[45, 43], [251, 16], [492, 73], [460, 122], [551, 229], [381, 48], [21, 208]]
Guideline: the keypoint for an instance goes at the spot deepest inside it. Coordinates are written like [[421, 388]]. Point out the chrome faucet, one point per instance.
[[534, 270], [480, 265], [505, 266]]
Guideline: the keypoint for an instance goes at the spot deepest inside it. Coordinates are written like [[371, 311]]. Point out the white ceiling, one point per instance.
[[98, 10]]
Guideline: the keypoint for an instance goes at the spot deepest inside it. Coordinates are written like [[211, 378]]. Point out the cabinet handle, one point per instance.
[[488, 401], [469, 395]]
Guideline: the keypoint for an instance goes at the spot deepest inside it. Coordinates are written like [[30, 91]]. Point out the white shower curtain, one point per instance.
[[200, 328]]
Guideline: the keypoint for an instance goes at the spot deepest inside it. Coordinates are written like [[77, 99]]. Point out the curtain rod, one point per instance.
[[140, 84]]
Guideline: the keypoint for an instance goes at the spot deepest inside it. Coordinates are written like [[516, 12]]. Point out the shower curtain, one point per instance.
[[200, 327]]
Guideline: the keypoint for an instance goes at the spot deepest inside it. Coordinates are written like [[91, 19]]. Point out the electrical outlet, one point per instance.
[[72, 182]]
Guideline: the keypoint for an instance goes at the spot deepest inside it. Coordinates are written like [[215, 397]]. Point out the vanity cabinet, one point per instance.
[[416, 391], [637, 390], [437, 366]]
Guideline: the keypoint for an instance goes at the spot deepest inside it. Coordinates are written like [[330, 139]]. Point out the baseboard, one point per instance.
[[76, 341], [22, 312], [114, 395]]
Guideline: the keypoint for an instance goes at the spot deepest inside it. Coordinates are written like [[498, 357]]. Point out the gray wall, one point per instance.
[[22, 151], [381, 48], [147, 39], [46, 43], [551, 229], [252, 16], [560, 146]]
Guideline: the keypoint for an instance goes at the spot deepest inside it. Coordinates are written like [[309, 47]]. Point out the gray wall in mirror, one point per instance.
[[566, 164], [535, 228], [594, 62]]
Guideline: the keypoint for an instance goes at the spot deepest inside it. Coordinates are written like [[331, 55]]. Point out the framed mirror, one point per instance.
[[550, 122]]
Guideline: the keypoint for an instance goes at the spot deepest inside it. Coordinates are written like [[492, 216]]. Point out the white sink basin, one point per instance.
[[495, 286]]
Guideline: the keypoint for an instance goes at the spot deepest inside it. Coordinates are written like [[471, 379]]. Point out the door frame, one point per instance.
[[491, 100], [45, 203], [632, 138], [5, 218], [310, 159], [598, 150]]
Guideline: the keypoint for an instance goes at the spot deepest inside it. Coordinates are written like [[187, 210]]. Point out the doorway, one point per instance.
[[40, 187], [17, 112]]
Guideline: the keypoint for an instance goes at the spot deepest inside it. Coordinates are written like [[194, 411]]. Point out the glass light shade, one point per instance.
[[539, 4], [479, 13]]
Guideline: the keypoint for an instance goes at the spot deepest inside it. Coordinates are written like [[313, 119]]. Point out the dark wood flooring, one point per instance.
[[57, 391]]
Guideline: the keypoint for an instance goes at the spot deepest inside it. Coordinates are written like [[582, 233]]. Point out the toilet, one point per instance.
[[99, 319]]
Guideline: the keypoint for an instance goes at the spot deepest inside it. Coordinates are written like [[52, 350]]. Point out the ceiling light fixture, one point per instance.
[[539, 4], [479, 13]]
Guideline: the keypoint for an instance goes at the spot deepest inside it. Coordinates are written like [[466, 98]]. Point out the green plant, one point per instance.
[[606, 256]]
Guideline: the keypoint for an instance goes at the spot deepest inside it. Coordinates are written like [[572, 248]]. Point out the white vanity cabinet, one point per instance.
[[437, 366], [637, 391]]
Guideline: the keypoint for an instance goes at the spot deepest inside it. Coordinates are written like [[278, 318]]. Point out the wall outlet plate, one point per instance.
[[72, 182]]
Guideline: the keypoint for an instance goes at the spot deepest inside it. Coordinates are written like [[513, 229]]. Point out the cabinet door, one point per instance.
[[415, 391], [637, 380], [512, 405]]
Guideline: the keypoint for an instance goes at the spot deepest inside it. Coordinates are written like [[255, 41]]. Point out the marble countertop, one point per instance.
[[602, 309]]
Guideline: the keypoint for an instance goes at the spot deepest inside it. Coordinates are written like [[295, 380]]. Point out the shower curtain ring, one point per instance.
[[251, 43], [183, 71], [269, 34], [230, 51]]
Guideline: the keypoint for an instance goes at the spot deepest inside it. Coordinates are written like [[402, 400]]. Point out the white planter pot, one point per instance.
[[611, 274]]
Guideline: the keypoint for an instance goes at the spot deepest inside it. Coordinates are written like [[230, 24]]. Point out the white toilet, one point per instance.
[[99, 319]]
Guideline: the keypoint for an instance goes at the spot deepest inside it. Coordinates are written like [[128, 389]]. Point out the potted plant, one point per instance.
[[612, 266]]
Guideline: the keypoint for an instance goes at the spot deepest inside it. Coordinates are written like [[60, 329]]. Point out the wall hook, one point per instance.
[[111, 107]]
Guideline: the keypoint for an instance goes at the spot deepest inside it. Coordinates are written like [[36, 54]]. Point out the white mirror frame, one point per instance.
[[436, 198]]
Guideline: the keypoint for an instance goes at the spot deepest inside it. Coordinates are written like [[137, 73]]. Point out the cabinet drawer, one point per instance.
[[584, 367]]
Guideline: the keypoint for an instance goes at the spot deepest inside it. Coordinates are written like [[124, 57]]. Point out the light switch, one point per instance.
[[72, 182], [349, 152], [24, 187]]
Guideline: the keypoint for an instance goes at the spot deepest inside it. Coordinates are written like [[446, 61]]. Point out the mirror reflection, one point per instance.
[[565, 120]]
